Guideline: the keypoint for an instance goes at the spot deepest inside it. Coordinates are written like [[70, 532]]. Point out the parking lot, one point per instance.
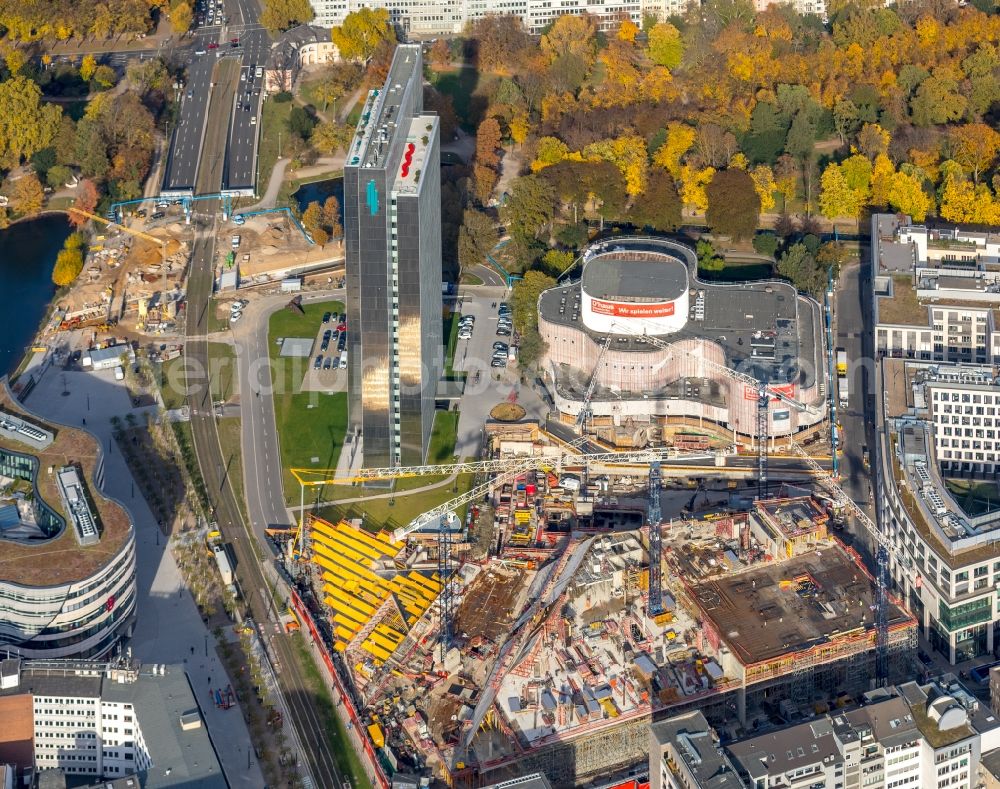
[[325, 373], [486, 386]]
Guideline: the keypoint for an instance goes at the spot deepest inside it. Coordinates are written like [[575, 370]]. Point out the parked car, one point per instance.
[[318, 363], [235, 316], [327, 316], [328, 363], [499, 345]]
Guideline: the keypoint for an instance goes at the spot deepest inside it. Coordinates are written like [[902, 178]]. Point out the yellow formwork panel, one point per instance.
[[375, 650], [431, 585], [360, 547], [382, 641], [342, 549], [340, 646], [343, 633], [362, 573], [389, 632], [348, 608]]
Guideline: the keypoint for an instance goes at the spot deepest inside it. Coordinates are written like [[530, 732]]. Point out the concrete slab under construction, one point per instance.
[[775, 609]]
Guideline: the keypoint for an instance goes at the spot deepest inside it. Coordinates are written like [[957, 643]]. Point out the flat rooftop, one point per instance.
[[780, 608], [622, 277], [765, 328], [385, 112], [61, 559]]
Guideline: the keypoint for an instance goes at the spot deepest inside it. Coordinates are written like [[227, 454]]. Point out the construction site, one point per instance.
[[533, 632]]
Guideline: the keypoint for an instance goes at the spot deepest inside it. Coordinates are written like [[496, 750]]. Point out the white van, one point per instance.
[[569, 482], [343, 360], [119, 374]]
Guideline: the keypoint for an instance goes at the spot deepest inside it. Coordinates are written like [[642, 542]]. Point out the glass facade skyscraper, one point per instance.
[[392, 232]]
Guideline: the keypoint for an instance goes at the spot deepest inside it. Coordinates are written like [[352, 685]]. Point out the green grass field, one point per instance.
[[274, 125], [229, 439], [310, 424]]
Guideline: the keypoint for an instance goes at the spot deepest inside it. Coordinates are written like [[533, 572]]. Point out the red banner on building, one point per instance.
[[750, 392], [661, 310]]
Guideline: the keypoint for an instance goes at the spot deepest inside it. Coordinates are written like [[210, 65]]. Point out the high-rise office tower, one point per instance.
[[392, 231]]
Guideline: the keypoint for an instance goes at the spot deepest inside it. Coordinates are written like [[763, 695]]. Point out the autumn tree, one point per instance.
[[659, 206], [181, 17], [571, 36], [500, 41], [484, 179], [628, 154], [87, 67], [328, 138], [665, 45], [312, 217], [476, 238], [27, 195], [440, 54], [556, 261], [26, 123], [105, 77], [975, 147], [69, 264], [331, 216], [837, 198], [86, 200], [873, 140], [529, 209], [280, 15], [733, 204], [679, 139], [488, 142], [362, 32]]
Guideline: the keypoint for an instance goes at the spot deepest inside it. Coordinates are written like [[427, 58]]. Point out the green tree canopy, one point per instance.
[[733, 204], [26, 123], [530, 206]]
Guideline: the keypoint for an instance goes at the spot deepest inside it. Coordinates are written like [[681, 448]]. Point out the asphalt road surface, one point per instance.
[[244, 125], [300, 700], [181, 172], [857, 419]]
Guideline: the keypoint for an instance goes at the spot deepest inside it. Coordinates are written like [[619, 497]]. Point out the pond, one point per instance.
[[318, 191], [27, 256]]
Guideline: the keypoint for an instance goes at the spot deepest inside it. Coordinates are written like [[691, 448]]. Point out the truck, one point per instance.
[[841, 362], [843, 389]]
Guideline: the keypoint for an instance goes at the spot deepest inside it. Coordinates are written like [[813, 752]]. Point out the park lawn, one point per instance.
[[468, 90], [229, 440], [451, 333], [221, 370], [310, 424], [172, 383], [274, 124], [392, 512], [348, 763]]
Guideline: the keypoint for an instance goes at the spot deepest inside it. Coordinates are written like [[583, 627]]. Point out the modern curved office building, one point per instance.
[[649, 340], [67, 554]]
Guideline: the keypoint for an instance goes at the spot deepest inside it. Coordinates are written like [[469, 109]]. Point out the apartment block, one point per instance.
[[910, 736]]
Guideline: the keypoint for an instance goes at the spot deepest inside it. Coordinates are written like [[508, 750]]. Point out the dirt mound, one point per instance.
[[507, 412], [146, 253]]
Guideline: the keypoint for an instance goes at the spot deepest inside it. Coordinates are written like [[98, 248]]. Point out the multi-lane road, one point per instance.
[[191, 148], [244, 125], [184, 154]]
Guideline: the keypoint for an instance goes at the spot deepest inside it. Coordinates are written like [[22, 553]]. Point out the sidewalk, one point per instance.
[[75, 47], [168, 625]]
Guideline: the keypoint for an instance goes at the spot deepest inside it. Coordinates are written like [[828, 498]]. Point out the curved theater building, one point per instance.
[[670, 333], [67, 554]]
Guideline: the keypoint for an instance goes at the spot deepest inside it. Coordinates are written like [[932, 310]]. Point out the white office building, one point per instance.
[[934, 302], [101, 720]]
